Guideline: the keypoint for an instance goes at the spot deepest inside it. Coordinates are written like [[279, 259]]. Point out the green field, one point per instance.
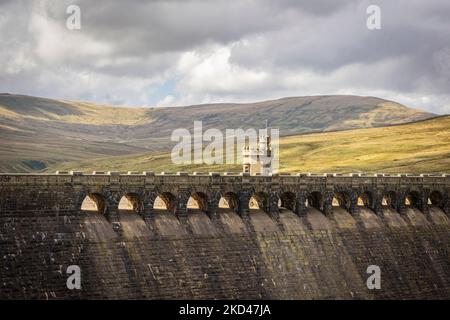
[[421, 147]]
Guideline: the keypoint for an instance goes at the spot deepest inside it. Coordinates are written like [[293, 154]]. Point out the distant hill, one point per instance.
[[37, 132], [420, 147]]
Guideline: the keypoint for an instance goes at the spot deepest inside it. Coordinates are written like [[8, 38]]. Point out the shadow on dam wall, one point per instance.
[[162, 256]]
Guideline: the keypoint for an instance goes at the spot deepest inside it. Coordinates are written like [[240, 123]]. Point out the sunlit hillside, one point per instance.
[[36, 133], [421, 147]]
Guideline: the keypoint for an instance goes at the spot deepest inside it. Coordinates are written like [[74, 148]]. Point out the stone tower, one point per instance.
[[258, 159]]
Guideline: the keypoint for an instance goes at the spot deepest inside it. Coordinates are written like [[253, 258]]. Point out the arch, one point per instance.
[[197, 201], [315, 200], [94, 202], [412, 199], [259, 200], [131, 202], [389, 199], [287, 200], [365, 199], [436, 199], [229, 200], [165, 201], [341, 199]]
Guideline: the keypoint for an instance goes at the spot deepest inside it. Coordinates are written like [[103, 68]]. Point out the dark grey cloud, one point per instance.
[[128, 51], [318, 7], [136, 27]]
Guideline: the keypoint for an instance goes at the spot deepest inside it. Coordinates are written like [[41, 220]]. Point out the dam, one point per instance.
[[143, 235]]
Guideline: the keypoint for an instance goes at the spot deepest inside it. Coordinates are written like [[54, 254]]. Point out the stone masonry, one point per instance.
[[312, 236]]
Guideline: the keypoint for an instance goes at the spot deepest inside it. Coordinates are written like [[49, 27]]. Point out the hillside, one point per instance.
[[421, 147], [36, 133]]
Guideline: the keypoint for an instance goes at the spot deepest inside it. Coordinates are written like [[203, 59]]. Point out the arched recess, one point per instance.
[[197, 201], [259, 200], [94, 203], [131, 202], [412, 199], [229, 200], [341, 199], [314, 200], [389, 200], [165, 201], [436, 199], [287, 200], [365, 200]]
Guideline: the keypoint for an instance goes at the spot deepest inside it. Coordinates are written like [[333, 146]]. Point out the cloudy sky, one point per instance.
[[165, 53]]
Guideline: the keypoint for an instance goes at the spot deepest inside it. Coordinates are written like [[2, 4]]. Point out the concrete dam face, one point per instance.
[[212, 236]]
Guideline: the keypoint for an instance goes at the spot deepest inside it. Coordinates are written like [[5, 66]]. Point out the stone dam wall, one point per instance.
[[303, 237]]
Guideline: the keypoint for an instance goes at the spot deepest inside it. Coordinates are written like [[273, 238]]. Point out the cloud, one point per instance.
[[166, 53]]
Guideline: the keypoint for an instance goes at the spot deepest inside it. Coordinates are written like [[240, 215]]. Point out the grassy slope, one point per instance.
[[421, 147], [36, 132]]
